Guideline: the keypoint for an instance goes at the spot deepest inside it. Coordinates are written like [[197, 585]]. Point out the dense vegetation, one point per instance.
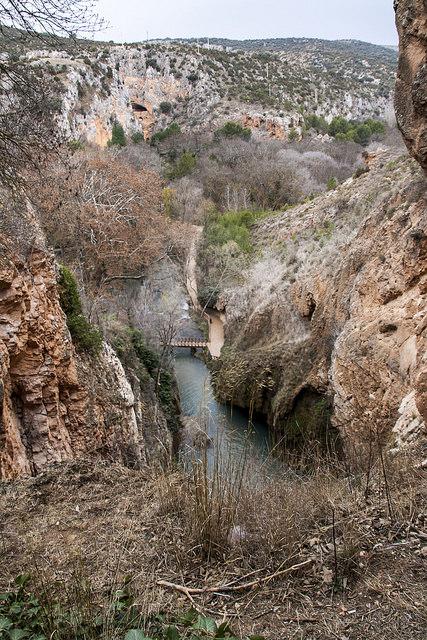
[[233, 226], [131, 346], [347, 130], [162, 135], [118, 138], [233, 129], [85, 337]]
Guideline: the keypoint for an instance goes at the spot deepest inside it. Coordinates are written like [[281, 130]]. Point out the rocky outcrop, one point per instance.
[[203, 88], [337, 307], [411, 86], [56, 405]]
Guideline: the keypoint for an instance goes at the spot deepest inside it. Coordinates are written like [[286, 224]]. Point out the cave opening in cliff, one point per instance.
[[139, 108]]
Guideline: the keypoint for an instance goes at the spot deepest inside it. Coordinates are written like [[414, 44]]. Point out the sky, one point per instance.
[[132, 20]]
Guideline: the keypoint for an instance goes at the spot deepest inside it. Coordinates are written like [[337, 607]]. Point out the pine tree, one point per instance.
[[118, 137]]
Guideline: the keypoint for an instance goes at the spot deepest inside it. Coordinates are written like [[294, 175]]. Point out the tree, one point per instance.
[[118, 138], [165, 107], [319, 123], [184, 166], [28, 99], [28, 104], [233, 129], [47, 19], [362, 134], [109, 220], [338, 125]]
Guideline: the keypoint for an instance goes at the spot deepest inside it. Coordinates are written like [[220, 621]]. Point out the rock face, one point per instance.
[[411, 86], [337, 307], [147, 87], [56, 405]]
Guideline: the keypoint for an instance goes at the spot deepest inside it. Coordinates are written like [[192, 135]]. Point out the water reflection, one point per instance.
[[227, 428]]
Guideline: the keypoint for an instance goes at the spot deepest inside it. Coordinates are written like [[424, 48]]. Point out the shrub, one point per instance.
[[152, 62], [233, 129], [73, 610], [147, 356], [84, 335], [375, 126], [118, 138], [353, 131], [75, 145], [360, 171], [167, 197], [131, 347], [316, 122], [173, 129], [193, 77], [137, 137], [293, 135], [338, 125], [184, 166], [81, 91], [233, 226], [165, 107], [362, 134], [332, 184]]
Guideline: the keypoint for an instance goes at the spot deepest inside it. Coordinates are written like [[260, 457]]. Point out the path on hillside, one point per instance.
[[213, 317]]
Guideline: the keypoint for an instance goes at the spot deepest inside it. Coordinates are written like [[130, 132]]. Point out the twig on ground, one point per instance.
[[189, 591]]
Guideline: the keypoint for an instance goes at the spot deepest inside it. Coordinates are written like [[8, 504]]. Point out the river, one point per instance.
[[229, 430]]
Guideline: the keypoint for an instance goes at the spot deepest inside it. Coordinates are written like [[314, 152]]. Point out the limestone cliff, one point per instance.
[[411, 86], [337, 307], [54, 403], [147, 86]]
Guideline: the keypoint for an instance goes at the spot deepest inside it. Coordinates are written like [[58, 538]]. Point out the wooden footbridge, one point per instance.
[[189, 343]]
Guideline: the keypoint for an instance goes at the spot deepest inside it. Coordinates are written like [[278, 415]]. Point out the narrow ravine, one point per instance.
[[227, 430], [212, 316]]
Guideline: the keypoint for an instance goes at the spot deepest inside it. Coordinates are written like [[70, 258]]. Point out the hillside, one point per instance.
[[355, 48], [268, 90], [325, 319], [213, 336]]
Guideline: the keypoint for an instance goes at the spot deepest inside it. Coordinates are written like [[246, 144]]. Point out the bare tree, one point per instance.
[[47, 19], [105, 215], [167, 328], [28, 98]]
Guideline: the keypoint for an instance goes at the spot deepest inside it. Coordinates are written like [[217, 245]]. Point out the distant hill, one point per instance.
[[351, 47], [268, 85]]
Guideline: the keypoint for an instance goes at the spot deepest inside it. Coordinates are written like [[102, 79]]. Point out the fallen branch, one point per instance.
[[231, 586], [141, 275], [123, 277]]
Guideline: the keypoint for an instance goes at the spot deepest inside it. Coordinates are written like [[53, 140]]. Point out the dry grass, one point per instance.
[[112, 522]]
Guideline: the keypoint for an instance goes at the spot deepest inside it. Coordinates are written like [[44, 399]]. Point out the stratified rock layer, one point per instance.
[[338, 306], [54, 404], [411, 86]]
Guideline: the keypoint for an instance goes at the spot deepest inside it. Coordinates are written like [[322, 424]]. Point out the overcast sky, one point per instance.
[[130, 20]]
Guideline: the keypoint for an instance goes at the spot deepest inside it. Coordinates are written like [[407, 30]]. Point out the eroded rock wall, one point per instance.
[[56, 405], [338, 305], [411, 85], [147, 87]]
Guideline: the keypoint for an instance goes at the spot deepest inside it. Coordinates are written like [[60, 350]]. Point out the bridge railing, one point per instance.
[[189, 342]]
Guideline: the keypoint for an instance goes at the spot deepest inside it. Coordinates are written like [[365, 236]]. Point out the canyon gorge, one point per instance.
[[213, 336]]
